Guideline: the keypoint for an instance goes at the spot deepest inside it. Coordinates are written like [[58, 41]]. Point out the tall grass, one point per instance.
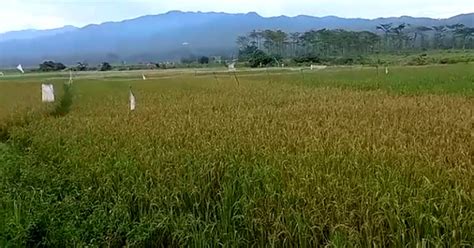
[[65, 102], [280, 163]]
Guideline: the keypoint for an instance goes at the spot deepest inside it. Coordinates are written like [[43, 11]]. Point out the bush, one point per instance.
[[81, 66], [65, 102], [259, 58], [204, 60], [306, 59], [342, 61], [51, 66], [420, 60], [189, 60], [105, 67], [455, 60]]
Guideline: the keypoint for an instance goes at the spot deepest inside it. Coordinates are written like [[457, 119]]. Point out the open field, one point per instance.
[[278, 158]]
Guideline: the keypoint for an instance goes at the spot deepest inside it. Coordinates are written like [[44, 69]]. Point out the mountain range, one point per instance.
[[171, 36]]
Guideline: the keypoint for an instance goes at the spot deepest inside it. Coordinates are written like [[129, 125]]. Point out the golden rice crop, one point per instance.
[[270, 162]]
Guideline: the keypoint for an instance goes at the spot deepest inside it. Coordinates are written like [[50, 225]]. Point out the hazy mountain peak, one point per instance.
[[160, 37], [252, 13]]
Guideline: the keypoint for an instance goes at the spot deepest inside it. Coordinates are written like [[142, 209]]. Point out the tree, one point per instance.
[[105, 66], [51, 66], [295, 41], [467, 34], [259, 58], [247, 52], [462, 32], [255, 37], [386, 29], [399, 35], [243, 41], [189, 60], [81, 66], [343, 46], [420, 31], [367, 41], [438, 36], [308, 59], [204, 60]]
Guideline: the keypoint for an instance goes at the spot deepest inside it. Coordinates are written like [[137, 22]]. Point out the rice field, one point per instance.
[[279, 158]]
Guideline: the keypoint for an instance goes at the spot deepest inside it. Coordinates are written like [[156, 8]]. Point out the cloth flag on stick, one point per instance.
[[232, 67], [20, 68], [47, 92], [386, 70], [132, 100], [70, 77], [143, 76]]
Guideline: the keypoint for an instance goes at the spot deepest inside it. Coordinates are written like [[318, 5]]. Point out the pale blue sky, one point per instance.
[[43, 14]]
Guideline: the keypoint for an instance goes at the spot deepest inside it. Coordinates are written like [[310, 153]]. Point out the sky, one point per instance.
[[46, 14]]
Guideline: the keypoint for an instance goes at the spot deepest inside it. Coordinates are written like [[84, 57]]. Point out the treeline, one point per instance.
[[270, 46], [403, 37], [52, 66]]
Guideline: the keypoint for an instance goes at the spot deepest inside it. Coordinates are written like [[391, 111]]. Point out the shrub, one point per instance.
[[51, 66], [105, 67]]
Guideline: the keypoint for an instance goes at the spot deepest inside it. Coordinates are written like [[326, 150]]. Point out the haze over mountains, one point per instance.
[[161, 37]]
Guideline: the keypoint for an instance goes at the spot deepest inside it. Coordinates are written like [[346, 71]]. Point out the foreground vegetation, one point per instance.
[[279, 158]]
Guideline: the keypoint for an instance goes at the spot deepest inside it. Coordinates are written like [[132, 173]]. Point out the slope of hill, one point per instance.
[[33, 33], [160, 37]]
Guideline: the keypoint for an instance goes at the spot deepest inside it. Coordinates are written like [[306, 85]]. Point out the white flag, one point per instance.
[[47, 92], [386, 70], [143, 75], [20, 68], [132, 101], [70, 77], [232, 67]]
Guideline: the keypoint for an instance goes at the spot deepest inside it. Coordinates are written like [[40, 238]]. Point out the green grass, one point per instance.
[[342, 157], [429, 57], [457, 79]]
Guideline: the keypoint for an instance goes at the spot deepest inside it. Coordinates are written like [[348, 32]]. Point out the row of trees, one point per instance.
[[49, 66], [331, 43], [203, 60], [404, 36], [324, 42]]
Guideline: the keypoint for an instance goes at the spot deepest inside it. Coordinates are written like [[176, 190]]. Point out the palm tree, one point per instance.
[[465, 33], [417, 31], [280, 39], [439, 35], [398, 31], [295, 40], [243, 41], [461, 32], [255, 36], [387, 29], [456, 31], [421, 30]]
